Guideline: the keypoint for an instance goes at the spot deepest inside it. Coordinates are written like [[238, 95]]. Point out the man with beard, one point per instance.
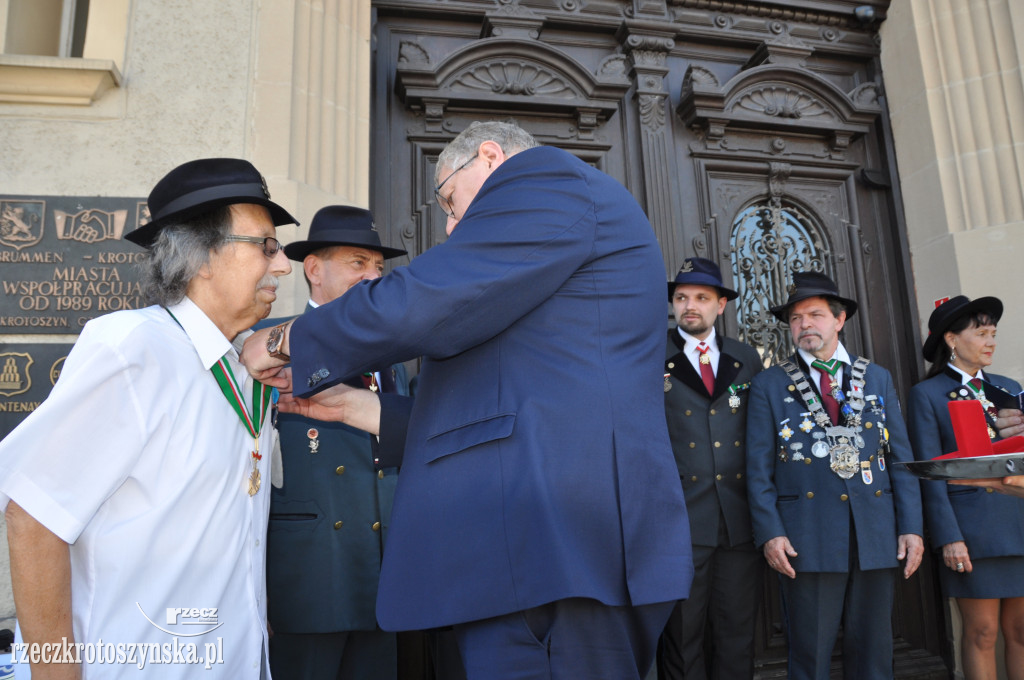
[[831, 512], [707, 377]]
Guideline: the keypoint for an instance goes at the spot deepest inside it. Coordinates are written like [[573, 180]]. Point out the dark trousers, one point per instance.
[[355, 655], [723, 602], [573, 639], [813, 606]]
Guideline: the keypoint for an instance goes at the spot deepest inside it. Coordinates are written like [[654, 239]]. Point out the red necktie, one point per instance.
[[706, 373], [827, 400]]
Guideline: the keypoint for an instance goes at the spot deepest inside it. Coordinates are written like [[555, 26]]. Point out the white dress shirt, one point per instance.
[[139, 462]]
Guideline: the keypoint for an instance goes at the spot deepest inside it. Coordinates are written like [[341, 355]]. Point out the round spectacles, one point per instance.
[[270, 244], [445, 203]]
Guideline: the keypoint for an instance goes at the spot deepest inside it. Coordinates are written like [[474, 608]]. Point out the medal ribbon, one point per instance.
[[229, 386], [831, 366], [735, 389], [976, 388], [978, 391]]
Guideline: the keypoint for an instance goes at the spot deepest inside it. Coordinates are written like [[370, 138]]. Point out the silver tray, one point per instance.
[[978, 467]]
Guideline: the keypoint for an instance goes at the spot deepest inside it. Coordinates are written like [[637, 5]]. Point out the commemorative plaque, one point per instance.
[[27, 373], [64, 261]]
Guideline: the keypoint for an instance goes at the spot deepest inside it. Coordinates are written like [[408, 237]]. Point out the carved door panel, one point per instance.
[[440, 76], [767, 236]]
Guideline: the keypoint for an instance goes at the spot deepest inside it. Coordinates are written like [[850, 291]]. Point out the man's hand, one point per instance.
[[254, 356], [777, 552], [1009, 422], [1011, 486], [911, 547], [341, 403]]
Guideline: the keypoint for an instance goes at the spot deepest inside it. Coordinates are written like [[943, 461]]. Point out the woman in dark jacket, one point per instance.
[[980, 533]]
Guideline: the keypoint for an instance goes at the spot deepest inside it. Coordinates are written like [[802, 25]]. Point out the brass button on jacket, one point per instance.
[[337, 525], [340, 470], [376, 526], [810, 494]]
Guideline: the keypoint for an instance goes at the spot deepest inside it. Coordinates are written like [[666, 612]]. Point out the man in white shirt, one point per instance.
[[136, 495]]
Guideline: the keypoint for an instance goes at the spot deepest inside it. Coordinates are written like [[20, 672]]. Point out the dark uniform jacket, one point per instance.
[[795, 494], [992, 524], [328, 523], [708, 438]]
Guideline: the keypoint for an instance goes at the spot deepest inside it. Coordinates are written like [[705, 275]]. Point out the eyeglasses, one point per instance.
[[442, 202], [270, 244]]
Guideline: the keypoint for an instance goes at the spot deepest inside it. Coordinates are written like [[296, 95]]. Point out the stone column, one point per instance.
[[648, 50], [953, 80], [311, 112]]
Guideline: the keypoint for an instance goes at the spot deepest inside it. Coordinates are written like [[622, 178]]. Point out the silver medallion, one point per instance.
[[845, 460], [820, 449], [734, 401]]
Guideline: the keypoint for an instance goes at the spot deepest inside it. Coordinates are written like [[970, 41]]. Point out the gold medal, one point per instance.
[[705, 359], [254, 481]]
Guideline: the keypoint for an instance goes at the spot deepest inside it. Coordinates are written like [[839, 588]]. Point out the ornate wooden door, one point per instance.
[[753, 133]]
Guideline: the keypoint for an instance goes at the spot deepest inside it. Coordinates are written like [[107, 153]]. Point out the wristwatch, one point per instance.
[[275, 340]]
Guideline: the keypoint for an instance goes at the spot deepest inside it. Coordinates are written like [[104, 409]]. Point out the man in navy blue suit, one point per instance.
[[329, 519], [538, 510], [831, 512]]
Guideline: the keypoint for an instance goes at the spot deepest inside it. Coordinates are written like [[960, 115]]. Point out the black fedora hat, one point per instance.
[[808, 285], [203, 185], [340, 225], [699, 271], [947, 313]]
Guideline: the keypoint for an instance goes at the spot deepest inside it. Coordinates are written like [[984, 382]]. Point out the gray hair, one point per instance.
[[510, 137], [179, 252]]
